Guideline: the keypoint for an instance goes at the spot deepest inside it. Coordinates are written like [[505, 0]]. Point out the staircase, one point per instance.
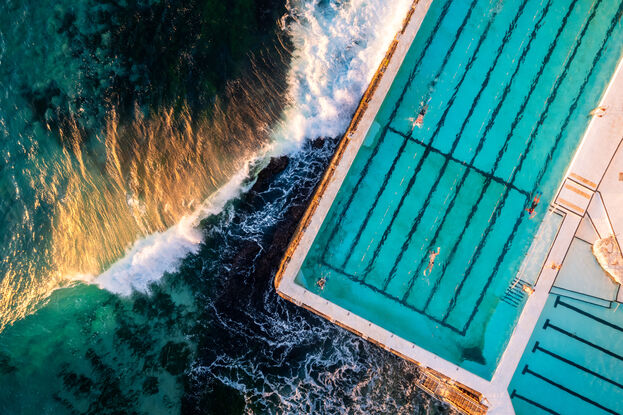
[[515, 295], [447, 391]]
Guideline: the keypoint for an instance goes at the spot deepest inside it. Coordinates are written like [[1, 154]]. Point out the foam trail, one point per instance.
[[161, 252], [337, 47]]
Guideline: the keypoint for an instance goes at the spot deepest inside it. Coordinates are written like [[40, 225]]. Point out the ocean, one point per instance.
[[156, 157]]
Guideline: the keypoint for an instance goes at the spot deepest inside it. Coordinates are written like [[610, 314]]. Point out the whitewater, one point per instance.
[[183, 318], [337, 48]]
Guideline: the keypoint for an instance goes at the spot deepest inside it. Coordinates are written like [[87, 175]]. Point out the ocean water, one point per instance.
[[140, 226]]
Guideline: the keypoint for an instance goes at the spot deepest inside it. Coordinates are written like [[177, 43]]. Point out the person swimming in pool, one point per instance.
[[431, 260], [419, 121], [535, 202], [321, 282]]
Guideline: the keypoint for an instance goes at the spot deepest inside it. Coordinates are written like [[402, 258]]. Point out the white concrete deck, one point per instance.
[[592, 177]]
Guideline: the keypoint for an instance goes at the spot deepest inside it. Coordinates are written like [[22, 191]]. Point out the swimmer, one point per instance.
[[431, 260], [321, 282], [419, 121], [420, 118], [535, 202]]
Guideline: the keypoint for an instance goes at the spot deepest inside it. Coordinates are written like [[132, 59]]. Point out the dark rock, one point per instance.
[[318, 143], [268, 173], [217, 399], [79, 383], [150, 385], [5, 366]]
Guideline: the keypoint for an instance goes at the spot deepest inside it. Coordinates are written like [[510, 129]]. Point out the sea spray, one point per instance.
[[337, 48], [161, 252]]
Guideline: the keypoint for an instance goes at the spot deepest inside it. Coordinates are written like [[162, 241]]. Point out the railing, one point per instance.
[[447, 392], [516, 293]]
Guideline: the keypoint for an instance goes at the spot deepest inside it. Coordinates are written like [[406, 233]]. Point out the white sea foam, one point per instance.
[[338, 46], [162, 252]]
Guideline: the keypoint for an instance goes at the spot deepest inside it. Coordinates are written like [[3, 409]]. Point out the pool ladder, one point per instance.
[[515, 295]]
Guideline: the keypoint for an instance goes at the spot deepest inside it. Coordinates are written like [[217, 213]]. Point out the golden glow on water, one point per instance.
[[135, 178]]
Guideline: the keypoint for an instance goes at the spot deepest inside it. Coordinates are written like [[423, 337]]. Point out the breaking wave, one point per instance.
[[337, 47]]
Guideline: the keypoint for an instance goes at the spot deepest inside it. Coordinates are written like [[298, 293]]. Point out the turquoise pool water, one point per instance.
[[508, 86], [573, 363]]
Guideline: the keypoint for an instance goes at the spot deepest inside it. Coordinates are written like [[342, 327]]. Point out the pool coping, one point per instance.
[[494, 393]]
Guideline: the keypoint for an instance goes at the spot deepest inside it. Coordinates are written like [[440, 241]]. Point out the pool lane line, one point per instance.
[[465, 164], [572, 108], [530, 142], [442, 170], [412, 75], [440, 124], [602, 349], [377, 290], [507, 89], [534, 84], [386, 180], [586, 314], [514, 394], [393, 116], [538, 347], [426, 151], [490, 123], [616, 18], [527, 370], [407, 305], [505, 93]]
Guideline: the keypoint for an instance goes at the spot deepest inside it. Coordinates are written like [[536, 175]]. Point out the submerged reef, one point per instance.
[[120, 118], [99, 54]]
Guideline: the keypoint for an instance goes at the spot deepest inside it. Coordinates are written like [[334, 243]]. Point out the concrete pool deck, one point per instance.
[[591, 188]]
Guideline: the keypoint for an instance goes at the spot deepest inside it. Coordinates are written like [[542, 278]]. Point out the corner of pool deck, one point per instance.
[[587, 201]]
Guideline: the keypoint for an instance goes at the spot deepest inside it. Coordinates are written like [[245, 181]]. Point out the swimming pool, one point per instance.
[[508, 88], [573, 361]]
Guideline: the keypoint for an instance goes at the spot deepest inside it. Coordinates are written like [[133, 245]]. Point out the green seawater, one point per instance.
[[88, 351], [117, 118]]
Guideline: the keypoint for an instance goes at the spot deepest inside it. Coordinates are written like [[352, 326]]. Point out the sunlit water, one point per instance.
[[136, 210]]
